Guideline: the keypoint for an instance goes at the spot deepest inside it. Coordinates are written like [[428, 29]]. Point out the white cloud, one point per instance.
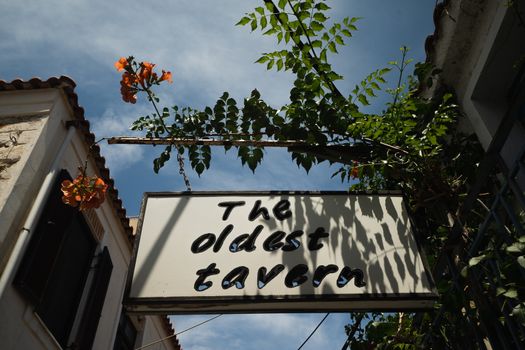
[[118, 157], [121, 157], [197, 41]]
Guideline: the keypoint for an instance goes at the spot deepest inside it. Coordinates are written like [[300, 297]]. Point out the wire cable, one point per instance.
[[176, 334], [315, 329]]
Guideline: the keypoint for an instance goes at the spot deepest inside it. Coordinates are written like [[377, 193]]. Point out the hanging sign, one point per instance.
[[204, 252]]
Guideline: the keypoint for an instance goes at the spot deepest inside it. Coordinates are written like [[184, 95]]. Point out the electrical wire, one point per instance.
[[174, 335], [315, 329]]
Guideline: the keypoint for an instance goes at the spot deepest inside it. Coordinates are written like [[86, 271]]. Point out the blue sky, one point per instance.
[[207, 54]]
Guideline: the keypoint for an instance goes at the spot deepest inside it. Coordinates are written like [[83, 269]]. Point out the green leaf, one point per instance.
[[319, 16], [322, 6], [199, 168], [231, 102], [283, 17], [362, 98], [316, 26], [322, 55], [500, 291], [511, 293], [243, 21], [519, 313], [253, 24], [374, 85], [252, 164], [521, 261], [346, 32], [516, 247], [370, 92], [303, 15], [263, 22], [282, 4], [476, 260], [279, 64], [331, 46], [260, 10], [262, 59], [274, 22], [279, 37]]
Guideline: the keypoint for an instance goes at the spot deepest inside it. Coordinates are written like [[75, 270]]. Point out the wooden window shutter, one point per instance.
[[95, 302]]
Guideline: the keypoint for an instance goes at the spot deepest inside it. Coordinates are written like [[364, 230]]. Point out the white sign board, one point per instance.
[[204, 252]]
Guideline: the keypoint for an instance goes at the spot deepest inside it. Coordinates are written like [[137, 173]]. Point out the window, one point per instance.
[[126, 334], [54, 272]]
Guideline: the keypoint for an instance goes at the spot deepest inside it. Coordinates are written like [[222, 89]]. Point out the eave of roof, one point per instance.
[[430, 42]]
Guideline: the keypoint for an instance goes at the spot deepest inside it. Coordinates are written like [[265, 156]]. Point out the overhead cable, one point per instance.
[[315, 329], [175, 334]]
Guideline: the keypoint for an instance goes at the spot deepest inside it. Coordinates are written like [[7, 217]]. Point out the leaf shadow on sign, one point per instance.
[[364, 240], [385, 267], [141, 274], [305, 217], [406, 263]]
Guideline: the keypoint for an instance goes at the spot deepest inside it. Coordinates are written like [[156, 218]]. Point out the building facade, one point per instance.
[[62, 271]]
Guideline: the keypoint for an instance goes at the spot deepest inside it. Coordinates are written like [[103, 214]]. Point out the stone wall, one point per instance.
[[18, 135]]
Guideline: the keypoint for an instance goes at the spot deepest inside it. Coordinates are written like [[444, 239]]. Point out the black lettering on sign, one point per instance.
[[202, 243], [314, 244], [229, 207], [296, 276], [292, 243], [246, 241], [234, 245], [273, 242], [263, 278], [201, 284], [346, 276], [225, 232], [321, 272], [282, 209], [235, 277], [257, 210]]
